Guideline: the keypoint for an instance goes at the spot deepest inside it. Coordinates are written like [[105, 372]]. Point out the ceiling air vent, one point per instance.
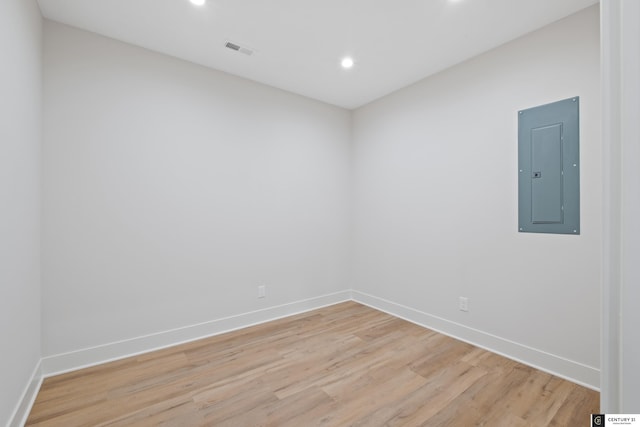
[[238, 48]]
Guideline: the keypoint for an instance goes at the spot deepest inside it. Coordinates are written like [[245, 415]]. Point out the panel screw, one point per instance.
[[574, 165], [574, 100], [575, 231]]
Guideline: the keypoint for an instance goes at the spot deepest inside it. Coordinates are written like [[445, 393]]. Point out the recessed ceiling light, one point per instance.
[[198, 2], [347, 62]]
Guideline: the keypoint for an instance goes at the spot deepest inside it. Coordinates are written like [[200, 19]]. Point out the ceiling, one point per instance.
[[298, 44]]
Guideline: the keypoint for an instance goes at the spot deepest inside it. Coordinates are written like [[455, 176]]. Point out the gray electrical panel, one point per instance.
[[549, 168]]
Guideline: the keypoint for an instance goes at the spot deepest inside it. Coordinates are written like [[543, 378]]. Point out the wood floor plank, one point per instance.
[[438, 393], [343, 365]]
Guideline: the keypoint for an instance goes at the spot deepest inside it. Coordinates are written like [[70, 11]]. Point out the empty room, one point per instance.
[[336, 213]]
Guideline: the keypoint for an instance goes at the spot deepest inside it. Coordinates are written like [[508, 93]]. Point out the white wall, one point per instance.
[[20, 138], [621, 137], [172, 191], [436, 202]]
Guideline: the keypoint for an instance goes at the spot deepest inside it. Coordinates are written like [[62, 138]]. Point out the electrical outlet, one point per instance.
[[463, 304], [262, 291]]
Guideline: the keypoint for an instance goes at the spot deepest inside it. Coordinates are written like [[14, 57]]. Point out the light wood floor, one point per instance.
[[344, 365]]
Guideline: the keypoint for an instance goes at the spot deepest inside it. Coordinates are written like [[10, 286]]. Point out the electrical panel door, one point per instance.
[[549, 168]]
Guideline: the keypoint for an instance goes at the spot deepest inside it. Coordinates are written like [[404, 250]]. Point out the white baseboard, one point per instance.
[[576, 372], [66, 362], [57, 364], [20, 414]]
